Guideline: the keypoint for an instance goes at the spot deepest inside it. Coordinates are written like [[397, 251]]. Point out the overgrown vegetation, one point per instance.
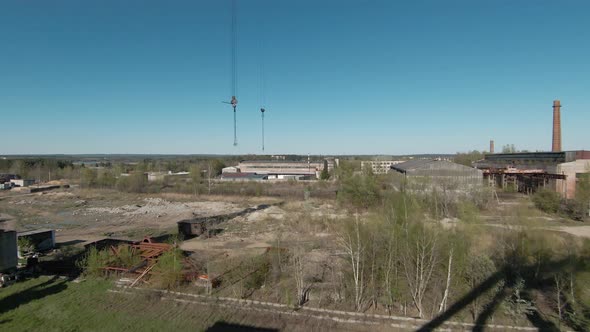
[[578, 208], [167, 272], [94, 262], [396, 259], [25, 245], [416, 249], [547, 200]]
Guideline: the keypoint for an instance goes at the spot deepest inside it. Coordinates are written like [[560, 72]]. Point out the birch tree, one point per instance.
[[419, 260], [351, 240]]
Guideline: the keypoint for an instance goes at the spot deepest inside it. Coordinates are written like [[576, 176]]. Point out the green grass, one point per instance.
[[52, 304], [46, 304]]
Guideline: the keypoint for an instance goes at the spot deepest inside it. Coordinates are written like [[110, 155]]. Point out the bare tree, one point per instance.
[[351, 242], [195, 173], [209, 171], [443, 303], [419, 260], [302, 287], [560, 284]]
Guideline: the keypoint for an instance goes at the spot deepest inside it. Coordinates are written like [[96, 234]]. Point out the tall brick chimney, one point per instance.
[[556, 144], [492, 146]]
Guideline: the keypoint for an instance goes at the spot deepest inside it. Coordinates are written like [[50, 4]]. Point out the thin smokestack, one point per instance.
[[556, 144], [492, 146]]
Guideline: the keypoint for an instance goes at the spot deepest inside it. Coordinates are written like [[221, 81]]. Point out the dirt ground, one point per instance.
[[81, 216], [277, 226]]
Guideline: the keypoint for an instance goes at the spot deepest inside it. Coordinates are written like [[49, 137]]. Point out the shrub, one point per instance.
[[360, 191], [25, 245], [258, 277], [167, 273], [94, 262], [467, 211], [547, 200], [575, 209], [127, 257]]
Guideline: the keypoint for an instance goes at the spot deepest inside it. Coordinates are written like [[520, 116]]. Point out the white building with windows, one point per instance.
[[380, 166]]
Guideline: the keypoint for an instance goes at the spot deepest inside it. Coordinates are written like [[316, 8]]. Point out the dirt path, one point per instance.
[[581, 231], [313, 317]]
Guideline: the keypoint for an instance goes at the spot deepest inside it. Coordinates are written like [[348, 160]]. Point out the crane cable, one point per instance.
[[234, 75], [262, 86], [233, 45]]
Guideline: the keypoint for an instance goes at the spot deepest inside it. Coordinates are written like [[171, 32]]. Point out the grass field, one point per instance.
[[54, 304], [51, 304]]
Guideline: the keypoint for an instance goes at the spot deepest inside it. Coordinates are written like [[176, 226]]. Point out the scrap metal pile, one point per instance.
[[148, 253], [147, 249]]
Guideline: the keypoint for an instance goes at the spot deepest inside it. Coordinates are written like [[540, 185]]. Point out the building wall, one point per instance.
[[22, 182], [156, 176], [567, 187], [8, 250], [43, 240], [380, 166], [283, 168], [231, 169]]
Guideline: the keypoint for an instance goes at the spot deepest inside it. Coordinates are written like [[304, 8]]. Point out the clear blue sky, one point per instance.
[[342, 77]]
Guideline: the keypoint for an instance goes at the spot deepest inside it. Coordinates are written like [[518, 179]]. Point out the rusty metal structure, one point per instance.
[[528, 171], [523, 180], [556, 143], [150, 251], [147, 249]]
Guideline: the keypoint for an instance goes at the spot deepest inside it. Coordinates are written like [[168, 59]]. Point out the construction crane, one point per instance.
[[234, 104], [234, 43]]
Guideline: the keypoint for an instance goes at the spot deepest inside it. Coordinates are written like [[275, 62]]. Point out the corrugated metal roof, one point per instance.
[[425, 164], [36, 231], [412, 164], [279, 162]]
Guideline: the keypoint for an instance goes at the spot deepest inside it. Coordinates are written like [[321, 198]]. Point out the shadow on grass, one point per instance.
[[49, 287], [509, 275]]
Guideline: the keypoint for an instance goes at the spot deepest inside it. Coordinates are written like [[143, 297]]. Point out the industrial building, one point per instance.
[[439, 172], [528, 171], [41, 239], [22, 182], [243, 177], [8, 251], [230, 169], [8, 181], [379, 166], [6, 177], [160, 176], [278, 169]]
